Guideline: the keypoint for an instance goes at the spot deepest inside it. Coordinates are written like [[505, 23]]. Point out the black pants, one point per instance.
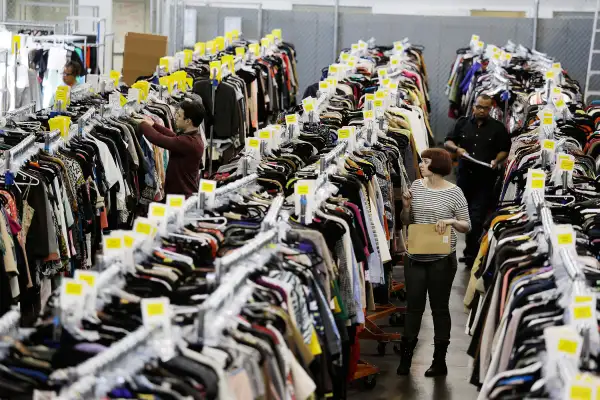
[[478, 189], [435, 278]]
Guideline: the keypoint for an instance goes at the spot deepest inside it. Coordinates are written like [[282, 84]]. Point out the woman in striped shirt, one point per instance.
[[432, 200]]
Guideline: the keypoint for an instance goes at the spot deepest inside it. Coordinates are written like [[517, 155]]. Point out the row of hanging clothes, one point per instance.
[[261, 83], [264, 302], [66, 196], [538, 259], [509, 74]]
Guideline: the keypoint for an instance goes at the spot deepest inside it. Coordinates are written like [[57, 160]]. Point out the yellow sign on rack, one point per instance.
[[229, 61], [220, 43], [276, 33], [229, 37], [211, 47], [215, 70], [255, 49], [115, 76], [188, 56], [16, 44], [168, 82], [144, 88], [62, 123], [236, 34], [240, 51], [200, 48]]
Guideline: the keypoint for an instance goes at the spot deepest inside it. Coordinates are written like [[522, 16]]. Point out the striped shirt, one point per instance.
[[431, 205]]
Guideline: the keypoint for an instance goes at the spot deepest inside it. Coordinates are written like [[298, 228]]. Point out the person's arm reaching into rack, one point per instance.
[[165, 138]]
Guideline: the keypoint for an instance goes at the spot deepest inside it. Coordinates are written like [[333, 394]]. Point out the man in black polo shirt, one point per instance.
[[484, 139]]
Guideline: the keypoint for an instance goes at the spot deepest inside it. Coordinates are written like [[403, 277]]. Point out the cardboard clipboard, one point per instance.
[[424, 240]]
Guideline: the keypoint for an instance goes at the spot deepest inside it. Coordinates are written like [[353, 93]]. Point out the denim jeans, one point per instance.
[[435, 278]]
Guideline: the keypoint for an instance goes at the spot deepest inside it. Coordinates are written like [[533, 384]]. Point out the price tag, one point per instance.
[[276, 33], [236, 34], [579, 392], [200, 48], [565, 239], [215, 70], [507, 57], [157, 312], [582, 312], [382, 72], [134, 95], [128, 241], [72, 298], [112, 244], [380, 94], [378, 103], [343, 133], [324, 86], [475, 38], [291, 119], [175, 200], [255, 49], [157, 211], [143, 226], [220, 43], [211, 47], [61, 123], [240, 51], [115, 76], [265, 42], [348, 134], [16, 44], [309, 104], [354, 47], [548, 145], [385, 82], [567, 346], [208, 187], [253, 143], [168, 82], [370, 96], [549, 74], [399, 47], [584, 299], [229, 37], [368, 115], [480, 45], [305, 199], [62, 95], [345, 57], [536, 180], [567, 165], [557, 66]]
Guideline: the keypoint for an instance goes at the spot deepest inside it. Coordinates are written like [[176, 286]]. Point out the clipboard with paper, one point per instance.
[[476, 161], [424, 240]]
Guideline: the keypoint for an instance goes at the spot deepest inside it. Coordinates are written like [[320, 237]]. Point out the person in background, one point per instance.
[[485, 139], [186, 147], [431, 200], [71, 71]]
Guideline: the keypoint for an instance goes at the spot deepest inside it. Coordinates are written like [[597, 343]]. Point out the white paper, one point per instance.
[[468, 157], [57, 58]]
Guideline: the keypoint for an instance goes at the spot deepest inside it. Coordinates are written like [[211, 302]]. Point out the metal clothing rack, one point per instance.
[[66, 39]]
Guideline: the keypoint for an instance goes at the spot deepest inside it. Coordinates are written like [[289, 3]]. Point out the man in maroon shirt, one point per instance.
[[185, 147]]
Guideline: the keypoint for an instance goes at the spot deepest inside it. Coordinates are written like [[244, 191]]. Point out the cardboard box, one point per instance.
[[141, 55], [424, 240]]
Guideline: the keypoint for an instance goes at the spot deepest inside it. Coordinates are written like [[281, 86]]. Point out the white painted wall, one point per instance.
[[87, 26]]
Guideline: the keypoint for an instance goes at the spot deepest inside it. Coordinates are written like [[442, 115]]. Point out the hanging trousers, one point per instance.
[[434, 278], [478, 188]]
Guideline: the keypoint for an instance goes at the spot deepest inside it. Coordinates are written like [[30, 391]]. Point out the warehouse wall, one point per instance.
[[310, 28]]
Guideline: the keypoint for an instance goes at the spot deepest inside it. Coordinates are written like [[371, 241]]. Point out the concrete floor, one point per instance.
[[455, 386]]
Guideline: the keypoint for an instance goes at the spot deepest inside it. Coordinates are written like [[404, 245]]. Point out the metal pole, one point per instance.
[[152, 16], [3, 10], [260, 21], [336, 17], [536, 16]]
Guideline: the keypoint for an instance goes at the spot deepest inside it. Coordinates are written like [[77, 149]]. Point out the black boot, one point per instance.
[[438, 366], [407, 348]]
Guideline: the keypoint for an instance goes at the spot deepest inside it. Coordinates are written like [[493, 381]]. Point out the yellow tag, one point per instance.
[[144, 396], [62, 94], [354, 46], [549, 74], [314, 345], [264, 42], [155, 309], [370, 96], [352, 63], [254, 143], [115, 76], [309, 107], [74, 288], [333, 69], [507, 56], [255, 49], [567, 346], [87, 278], [167, 81], [567, 164], [368, 114], [386, 82], [345, 56], [323, 85], [240, 51], [548, 120], [399, 47], [215, 70], [378, 103], [188, 56], [176, 202], [583, 299], [264, 134], [200, 48], [538, 175], [480, 44], [302, 189], [395, 61], [220, 43], [343, 133], [475, 38], [380, 94], [563, 157], [276, 33], [143, 228], [189, 82], [62, 123], [236, 34], [291, 119], [537, 183], [129, 240], [580, 393], [122, 100], [556, 90], [113, 243], [548, 144], [557, 66], [16, 44], [158, 211], [229, 37], [271, 38], [560, 103], [211, 47], [382, 72], [582, 312], [144, 88], [496, 56], [564, 238], [230, 62], [207, 187]]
